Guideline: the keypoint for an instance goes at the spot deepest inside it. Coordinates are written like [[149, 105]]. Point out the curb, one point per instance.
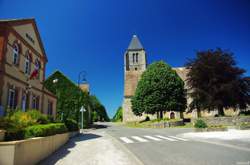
[[137, 160]]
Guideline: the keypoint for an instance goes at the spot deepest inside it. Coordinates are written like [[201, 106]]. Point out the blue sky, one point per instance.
[[92, 35]]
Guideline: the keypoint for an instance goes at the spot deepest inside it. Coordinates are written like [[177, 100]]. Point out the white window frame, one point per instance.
[[35, 102], [11, 101], [27, 65], [15, 54], [50, 108]]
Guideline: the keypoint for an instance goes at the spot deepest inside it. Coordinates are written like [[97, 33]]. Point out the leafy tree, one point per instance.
[[99, 112], [69, 98], [118, 115], [159, 89], [216, 82]]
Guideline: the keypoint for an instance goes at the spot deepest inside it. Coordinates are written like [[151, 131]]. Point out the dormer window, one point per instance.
[[16, 51], [27, 64]]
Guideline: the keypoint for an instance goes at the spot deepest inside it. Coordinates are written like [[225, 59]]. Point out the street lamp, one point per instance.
[[24, 97], [82, 110], [55, 81], [81, 77]]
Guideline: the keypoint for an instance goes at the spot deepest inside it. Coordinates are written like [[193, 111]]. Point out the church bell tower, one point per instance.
[[135, 56], [134, 65]]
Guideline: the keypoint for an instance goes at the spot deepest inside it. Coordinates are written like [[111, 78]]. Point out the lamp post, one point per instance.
[[81, 78], [24, 97], [82, 110]]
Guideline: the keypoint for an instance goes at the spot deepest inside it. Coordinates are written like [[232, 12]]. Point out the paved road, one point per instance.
[[175, 151], [93, 147], [122, 145]]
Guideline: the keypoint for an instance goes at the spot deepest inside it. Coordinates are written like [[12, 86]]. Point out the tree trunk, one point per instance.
[[161, 114], [198, 112], [158, 116], [220, 111]]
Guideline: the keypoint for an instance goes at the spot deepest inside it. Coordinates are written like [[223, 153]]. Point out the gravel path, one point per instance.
[[92, 148]]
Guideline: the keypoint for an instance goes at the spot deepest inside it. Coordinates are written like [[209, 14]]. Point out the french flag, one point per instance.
[[35, 71]]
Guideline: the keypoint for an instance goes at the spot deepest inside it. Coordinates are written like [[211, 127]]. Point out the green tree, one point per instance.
[[118, 115], [69, 98], [99, 112], [216, 82], [159, 89]]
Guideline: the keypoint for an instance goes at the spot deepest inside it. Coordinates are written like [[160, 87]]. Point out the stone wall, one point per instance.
[[225, 120]]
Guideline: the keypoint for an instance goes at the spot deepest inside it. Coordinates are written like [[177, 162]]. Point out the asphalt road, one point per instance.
[[163, 147]]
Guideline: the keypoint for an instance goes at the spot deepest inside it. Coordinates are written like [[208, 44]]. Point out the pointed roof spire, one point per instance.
[[135, 44]]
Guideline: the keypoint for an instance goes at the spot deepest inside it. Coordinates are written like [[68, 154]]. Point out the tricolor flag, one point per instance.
[[35, 72]]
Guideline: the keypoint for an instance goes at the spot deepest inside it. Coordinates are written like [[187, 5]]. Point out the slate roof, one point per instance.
[[135, 44]]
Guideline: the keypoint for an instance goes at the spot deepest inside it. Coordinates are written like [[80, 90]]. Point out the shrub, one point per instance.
[[14, 134], [21, 119], [38, 116], [45, 130], [200, 124], [72, 125]]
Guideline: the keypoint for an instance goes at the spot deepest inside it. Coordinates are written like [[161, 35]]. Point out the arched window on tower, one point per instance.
[[133, 57], [136, 57], [16, 50]]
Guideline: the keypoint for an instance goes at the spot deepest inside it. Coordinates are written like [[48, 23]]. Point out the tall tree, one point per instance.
[[99, 112], [118, 115], [159, 89], [216, 82]]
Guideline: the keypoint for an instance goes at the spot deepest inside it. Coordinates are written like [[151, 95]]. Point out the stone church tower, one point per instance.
[[135, 63]]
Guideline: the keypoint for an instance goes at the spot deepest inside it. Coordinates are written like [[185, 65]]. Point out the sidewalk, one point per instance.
[[92, 148]]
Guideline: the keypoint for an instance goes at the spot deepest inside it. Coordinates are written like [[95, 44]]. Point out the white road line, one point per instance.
[[126, 140], [178, 138], [166, 138], [152, 138], [139, 139]]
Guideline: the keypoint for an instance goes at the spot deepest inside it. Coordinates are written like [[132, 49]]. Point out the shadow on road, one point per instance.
[[65, 149], [99, 126]]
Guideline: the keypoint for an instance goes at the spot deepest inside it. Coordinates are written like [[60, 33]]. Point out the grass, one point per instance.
[[147, 124]]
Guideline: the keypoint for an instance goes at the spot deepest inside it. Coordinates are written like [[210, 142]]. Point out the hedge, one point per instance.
[[45, 130], [71, 124]]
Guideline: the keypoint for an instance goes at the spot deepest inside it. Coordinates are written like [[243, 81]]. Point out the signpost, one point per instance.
[[82, 110]]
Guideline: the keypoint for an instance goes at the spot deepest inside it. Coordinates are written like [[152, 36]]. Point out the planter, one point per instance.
[[210, 129], [31, 151], [2, 135]]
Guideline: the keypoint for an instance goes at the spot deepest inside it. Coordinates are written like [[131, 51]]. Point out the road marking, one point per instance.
[[166, 138], [152, 138], [126, 140], [178, 138], [139, 139]]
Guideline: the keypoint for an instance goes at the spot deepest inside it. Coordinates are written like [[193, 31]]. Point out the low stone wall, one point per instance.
[[167, 124], [31, 151], [2, 134], [231, 121]]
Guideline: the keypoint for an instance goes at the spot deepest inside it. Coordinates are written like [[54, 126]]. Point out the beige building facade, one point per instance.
[[22, 68]]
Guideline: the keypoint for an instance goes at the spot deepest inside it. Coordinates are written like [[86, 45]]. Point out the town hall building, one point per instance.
[[22, 68]]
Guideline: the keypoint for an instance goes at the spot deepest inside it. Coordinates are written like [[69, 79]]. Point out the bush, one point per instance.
[[45, 130], [14, 134], [21, 119], [72, 125], [38, 116], [200, 124]]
